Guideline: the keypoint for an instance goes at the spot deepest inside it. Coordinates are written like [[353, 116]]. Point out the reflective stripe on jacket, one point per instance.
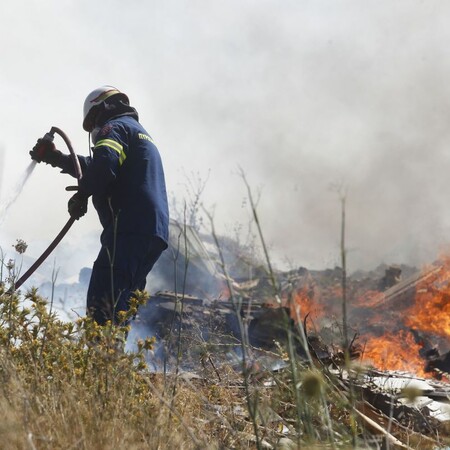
[[125, 177]]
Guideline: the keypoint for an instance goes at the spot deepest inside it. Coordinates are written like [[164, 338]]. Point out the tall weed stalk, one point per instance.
[[251, 395], [302, 412]]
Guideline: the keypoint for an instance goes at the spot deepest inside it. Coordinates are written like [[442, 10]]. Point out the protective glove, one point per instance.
[[45, 150], [77, 205]]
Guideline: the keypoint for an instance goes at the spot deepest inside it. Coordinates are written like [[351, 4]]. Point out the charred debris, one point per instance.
[[212, 322], [191, 292], [200, 319]]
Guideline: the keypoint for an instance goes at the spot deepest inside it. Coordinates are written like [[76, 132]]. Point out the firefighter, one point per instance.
[[125, 179]]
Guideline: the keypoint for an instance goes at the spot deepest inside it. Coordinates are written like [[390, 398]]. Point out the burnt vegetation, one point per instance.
[[234, 355]]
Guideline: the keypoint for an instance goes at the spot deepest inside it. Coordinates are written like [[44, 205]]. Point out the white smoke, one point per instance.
[[15, 191], [2, 167], [299, 94]]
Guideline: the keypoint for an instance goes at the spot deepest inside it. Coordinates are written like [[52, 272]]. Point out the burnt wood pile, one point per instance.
[[406, 411]]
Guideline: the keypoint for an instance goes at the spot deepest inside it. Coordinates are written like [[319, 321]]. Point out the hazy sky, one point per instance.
[[302, 95]]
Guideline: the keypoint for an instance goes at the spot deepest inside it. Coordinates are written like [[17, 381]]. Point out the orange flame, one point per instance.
[[396, 330], [395, 352], [302, 304], [429, 315], [431, 311]]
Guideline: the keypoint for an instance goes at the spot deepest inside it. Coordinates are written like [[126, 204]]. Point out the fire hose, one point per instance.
[[49, 137]]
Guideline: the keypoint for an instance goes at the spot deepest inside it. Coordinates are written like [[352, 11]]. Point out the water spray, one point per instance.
[[50, 136], [5, 205]]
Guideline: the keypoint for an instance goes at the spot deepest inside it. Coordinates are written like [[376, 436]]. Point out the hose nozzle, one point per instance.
[[50, 136]]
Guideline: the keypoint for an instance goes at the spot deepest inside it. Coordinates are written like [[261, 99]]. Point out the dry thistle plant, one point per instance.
[[71, 385]]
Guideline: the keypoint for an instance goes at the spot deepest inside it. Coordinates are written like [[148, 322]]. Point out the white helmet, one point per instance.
[[96, 98]]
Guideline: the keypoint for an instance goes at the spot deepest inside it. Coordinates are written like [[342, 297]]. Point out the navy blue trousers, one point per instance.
[[121, 267]]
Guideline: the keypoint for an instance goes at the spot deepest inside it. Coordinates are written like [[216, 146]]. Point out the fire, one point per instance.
[[401, 329], [302, 305], [395, 352], [431, 311], [422, 323], [369, 299]]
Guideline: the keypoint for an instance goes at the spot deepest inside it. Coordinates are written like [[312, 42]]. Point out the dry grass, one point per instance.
[[70, 386]]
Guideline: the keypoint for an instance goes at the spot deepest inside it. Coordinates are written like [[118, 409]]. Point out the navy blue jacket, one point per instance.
[[125, 178]]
